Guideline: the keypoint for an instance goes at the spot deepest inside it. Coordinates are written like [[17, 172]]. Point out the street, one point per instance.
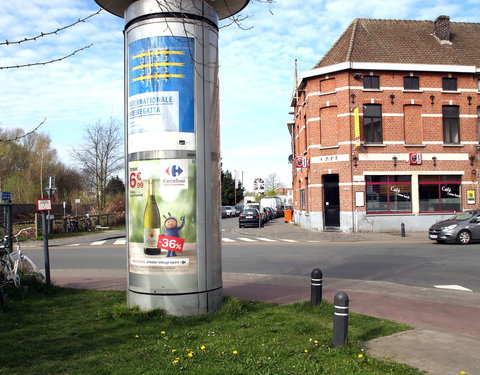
[[277, 250]]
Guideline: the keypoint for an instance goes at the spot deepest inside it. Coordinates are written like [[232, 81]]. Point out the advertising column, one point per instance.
[[174, 260]]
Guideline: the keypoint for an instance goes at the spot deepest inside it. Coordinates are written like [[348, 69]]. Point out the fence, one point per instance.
[[59, 222]]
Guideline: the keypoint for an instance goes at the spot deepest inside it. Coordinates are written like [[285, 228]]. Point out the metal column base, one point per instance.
[[178, 304]]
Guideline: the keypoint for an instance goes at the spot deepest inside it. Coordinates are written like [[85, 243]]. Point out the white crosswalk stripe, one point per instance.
[[247, 239], [121, 241], [288, 240], [98, 243], [265, 239], [227, 240]]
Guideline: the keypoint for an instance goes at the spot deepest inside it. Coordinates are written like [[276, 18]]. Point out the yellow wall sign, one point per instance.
[[356, 121], [470, 196]]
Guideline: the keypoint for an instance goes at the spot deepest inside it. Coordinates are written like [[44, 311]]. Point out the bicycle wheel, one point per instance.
[[26, 267]]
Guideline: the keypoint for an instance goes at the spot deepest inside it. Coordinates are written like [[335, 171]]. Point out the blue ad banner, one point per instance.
[[161, 85]]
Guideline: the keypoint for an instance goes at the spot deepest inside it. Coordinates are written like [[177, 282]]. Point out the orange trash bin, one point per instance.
[[288, 215]]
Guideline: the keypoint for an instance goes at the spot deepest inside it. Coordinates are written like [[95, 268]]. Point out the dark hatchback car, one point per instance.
[[250, 217], [461, 228]]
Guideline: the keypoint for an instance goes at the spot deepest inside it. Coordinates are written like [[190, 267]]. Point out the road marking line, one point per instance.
[[97, 243], [265, 239], [288, 240], [122, 241], [453, 287], [227, 240], [247, 239], [73, 244]]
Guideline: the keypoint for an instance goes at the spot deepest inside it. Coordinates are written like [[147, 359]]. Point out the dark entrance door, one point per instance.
[[331, 202]]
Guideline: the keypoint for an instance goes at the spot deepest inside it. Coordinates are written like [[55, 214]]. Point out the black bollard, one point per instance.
[[316, 287], [402, 230], [340, 319]]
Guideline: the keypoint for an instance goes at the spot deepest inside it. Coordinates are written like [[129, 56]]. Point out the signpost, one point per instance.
[[45, 205]]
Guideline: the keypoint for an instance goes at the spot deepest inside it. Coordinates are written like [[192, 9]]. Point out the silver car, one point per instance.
[[462, 228]]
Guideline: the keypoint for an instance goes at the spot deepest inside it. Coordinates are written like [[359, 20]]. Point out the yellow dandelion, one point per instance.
[[463, 372], [315, 342], [137, 336], [190, 355], [163, 332], [175, 361], [305, 351], [174, 350], [360, 356], [203, 347], [235, 352]]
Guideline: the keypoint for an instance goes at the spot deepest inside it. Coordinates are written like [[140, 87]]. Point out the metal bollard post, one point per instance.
[[402, 230], [316, 287], [340, 319]]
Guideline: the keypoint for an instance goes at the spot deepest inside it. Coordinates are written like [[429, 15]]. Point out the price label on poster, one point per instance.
[[170, 243]]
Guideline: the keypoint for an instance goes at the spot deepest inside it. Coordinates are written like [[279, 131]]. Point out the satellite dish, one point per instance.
[[290, 159]]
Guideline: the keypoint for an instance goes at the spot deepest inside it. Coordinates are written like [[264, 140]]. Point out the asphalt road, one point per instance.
[[414, 263]]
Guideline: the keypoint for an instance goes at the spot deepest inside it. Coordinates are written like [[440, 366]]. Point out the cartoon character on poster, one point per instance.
[[172, 230]]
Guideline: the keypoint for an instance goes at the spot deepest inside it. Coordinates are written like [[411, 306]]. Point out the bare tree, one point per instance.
[[100, 156], [273, 182]]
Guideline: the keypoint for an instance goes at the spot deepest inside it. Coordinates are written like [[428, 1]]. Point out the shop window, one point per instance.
[[451, 124], [371, 82], [439, 193], [449, 84], [389, 194], [372, 122], [411, 83], [302, 199]]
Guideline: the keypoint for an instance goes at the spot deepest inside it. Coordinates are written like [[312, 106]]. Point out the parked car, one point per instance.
[[224, 211], [251, 217], [238, 210], [230, 211], [270, 213], [461, 228]]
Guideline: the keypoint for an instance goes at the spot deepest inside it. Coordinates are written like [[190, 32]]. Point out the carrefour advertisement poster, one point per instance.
[[162, 216], [160, 93]]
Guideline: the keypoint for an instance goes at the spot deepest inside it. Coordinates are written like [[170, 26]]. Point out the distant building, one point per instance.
[[286, 195], [386, 127]]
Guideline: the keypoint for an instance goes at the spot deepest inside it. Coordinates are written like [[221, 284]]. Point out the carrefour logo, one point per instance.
[[174, 170]]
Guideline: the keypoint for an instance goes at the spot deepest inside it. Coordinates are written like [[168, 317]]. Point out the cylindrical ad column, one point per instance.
[[173, 156]]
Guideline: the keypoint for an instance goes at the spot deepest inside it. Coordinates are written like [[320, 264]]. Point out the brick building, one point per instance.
[[386, 127]]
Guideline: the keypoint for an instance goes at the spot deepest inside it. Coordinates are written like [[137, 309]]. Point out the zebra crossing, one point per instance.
[[255, 239], [226, 240], [120, 241]]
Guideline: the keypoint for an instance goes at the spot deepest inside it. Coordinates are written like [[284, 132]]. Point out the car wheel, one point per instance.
[[240, 226], [464, 237]]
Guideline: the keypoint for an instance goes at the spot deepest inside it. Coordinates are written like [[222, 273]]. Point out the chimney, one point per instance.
[[442, 28]]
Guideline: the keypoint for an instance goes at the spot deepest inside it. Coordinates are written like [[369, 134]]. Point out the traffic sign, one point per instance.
[[6, 196], [44, 204]]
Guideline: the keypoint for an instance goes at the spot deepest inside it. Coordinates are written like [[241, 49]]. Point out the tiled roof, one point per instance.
[[405, 42]]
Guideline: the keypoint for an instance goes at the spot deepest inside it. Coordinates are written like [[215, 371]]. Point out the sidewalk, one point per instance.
[[446, 335]]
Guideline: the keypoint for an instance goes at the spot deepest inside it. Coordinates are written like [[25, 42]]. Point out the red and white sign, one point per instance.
[[44, 204], [415, 158], [300, 162], [170, 243]]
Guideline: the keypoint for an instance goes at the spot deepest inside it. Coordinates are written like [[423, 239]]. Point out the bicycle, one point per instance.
[[14, 265]]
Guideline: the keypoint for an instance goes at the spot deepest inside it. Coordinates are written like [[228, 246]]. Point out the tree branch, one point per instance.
[[41, 35], [45, 62], [23, 135]]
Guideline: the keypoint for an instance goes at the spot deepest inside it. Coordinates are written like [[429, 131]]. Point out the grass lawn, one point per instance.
[[72, 331]]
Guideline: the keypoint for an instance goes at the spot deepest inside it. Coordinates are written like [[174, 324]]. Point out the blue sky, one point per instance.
[[256, 69]]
